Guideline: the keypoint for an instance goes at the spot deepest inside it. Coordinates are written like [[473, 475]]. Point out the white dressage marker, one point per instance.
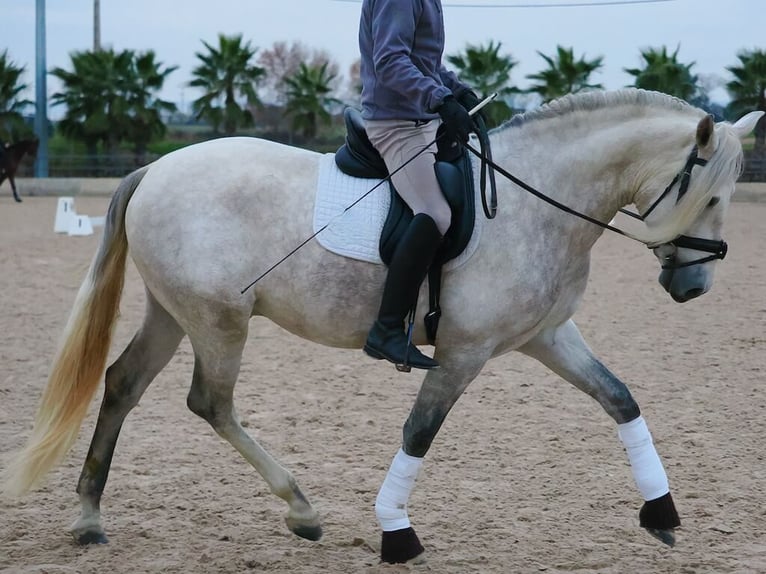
[[70, 222], [65, 214], [80, 225]]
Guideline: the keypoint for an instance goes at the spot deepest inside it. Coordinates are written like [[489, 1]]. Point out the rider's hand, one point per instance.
[[469, 100], [458, 125]]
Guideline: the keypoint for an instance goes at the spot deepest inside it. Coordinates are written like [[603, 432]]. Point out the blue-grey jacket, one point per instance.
[[401, 43]]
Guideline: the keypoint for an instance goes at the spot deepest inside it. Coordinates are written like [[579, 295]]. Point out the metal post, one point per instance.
[[96, 25], [41, 94]]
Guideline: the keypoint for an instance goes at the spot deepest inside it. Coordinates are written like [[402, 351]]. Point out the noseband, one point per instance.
[[717, 249]]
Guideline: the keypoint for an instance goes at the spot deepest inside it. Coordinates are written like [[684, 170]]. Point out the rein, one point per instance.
[[716, 249]]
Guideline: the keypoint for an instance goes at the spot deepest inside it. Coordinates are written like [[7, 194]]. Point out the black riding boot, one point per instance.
[[409, 265]]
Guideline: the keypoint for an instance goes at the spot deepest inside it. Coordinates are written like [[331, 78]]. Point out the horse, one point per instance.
[[10, 159], [197, 236]]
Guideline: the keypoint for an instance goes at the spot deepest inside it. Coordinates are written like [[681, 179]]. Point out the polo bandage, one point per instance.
[[391, 504], [647, 468]]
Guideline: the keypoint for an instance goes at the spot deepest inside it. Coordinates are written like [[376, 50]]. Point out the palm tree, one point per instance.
[[110, 98], [662, 72], [487, 72], [308, 97], [748, 91], [94, 96], [146, 109], [229, 80], [564, 75], [12, 125]]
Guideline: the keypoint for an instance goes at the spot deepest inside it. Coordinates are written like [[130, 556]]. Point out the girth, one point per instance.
[[358, 158]]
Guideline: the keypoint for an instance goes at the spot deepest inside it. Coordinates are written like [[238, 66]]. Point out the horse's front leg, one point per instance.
[[440, 390], [13, 188], [565, 352]]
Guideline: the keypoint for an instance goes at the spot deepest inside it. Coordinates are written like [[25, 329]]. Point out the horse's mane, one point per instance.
[[725, 167], [598, 100]]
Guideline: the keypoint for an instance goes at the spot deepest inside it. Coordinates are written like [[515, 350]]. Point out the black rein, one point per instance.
[[716, 249]]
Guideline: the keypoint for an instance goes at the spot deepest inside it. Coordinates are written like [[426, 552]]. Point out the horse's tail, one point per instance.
[[82, 355]]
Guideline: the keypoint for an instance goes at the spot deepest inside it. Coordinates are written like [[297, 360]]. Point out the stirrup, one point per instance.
[[405, 366]]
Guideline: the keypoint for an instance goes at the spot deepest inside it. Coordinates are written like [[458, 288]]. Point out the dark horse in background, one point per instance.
[[10, 159]]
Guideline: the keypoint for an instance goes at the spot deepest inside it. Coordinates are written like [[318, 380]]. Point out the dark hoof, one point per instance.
[[659, 514], [665, 536], [88, 538], [313, 533], [659, 517], [399, 546]]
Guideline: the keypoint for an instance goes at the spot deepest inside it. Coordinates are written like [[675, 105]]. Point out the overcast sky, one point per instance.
[[709, 32]]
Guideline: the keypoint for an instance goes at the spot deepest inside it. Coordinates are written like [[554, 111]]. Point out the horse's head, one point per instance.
[[709, 175]]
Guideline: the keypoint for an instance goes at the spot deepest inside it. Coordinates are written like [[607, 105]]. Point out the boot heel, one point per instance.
[[373, 353]]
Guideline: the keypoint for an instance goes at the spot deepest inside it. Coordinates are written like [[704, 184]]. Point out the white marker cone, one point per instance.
[[81, 225], [65, 214]]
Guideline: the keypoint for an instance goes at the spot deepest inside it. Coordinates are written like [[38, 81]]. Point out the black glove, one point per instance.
[[469, 100], [458, 125]]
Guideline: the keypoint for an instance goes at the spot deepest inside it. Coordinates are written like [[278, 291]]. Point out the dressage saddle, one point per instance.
[[358, 158]]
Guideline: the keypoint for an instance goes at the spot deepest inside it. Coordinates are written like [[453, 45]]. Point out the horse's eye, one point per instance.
[[714, 201]]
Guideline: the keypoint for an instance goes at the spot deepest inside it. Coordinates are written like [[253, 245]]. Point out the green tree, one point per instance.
[[229, 81], [282, 61], [308, 97], [110, 98], [94, 96], [487, 72], [564, 75], [146, 109], [12, 106], [662, 72], [748, 91]]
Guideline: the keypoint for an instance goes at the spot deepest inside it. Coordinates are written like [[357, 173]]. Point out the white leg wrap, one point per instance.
[[391, 504], [647, 468]]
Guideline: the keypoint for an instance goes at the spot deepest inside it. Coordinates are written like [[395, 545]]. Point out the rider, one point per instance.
[[406, 95]]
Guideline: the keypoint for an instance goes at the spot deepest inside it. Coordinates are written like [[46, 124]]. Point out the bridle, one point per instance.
[[716, 249]]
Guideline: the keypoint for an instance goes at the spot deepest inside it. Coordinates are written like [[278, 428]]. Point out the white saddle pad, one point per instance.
[[355, 231]]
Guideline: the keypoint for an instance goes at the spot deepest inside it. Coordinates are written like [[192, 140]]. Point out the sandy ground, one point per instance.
[[526, 476]]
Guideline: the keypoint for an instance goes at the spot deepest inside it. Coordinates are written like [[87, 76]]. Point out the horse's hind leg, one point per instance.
[[13, 188], [564, 351], [126, 380], [217, 358]]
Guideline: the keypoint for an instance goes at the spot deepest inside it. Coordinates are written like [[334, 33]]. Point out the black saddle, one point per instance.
[[358, 158]]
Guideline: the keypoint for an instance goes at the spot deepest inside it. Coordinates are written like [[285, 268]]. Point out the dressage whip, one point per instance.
[[471, 112]]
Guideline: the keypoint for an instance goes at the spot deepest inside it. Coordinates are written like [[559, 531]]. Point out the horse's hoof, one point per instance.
[[309, 530], [312, 533], [665, 536], [91, 537], [401, 546]]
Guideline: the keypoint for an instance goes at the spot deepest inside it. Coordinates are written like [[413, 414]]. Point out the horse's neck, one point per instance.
[[593, 166]]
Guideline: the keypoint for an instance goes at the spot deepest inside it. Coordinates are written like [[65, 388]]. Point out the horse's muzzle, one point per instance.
[[685, 283]]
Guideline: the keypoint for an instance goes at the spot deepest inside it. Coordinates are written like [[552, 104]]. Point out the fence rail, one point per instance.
[[755, 169], [77, 165], [120, 165]]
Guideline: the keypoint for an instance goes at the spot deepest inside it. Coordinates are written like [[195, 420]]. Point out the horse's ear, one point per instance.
[[705, 130], [746, 124]]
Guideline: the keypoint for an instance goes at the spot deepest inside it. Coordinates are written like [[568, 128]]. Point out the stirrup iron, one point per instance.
[[405, 366]]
